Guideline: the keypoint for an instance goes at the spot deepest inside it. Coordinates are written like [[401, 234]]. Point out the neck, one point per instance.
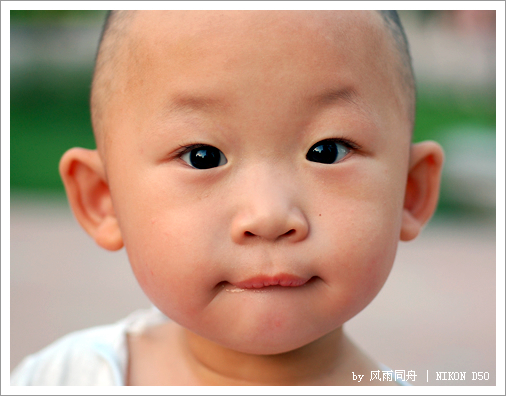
[[323, 362]]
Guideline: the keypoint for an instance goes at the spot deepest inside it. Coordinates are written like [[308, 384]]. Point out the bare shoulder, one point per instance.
[[156, 357]]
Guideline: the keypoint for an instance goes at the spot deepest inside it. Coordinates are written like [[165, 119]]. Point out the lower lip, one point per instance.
[[262, 283]]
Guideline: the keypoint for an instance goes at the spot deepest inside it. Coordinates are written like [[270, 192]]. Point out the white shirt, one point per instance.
[[95, 356]]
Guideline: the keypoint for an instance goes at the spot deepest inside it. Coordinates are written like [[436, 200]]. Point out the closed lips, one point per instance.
[[283, 280]]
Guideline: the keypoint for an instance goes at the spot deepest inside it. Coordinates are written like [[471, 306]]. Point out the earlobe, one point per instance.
[[422, 188], [83, 176]]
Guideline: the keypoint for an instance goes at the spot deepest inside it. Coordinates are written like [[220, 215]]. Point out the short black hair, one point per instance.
[[116, 22], [394, 25]]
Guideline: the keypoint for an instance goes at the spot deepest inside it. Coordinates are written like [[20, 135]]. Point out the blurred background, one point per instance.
[[436, 311]]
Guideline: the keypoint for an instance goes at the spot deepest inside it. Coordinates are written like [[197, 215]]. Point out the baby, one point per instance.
[[258, 168]]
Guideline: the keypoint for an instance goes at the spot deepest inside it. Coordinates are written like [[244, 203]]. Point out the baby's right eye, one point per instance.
[[202, 156]]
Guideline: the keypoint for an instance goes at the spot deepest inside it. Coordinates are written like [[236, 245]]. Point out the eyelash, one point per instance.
[[348, 143], [186, 149]]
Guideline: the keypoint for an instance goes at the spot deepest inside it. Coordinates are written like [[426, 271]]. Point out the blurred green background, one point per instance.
[[51, 76]]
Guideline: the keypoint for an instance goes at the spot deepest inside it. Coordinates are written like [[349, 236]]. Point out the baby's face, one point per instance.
[[257, 163]]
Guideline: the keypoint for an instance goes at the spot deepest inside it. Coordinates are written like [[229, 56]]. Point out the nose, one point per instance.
[[267, 212]]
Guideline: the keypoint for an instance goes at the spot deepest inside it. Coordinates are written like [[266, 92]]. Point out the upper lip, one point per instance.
[[285, 280]]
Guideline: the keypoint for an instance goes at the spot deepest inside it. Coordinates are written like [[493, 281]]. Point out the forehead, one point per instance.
[[181, 33], [203, 23], [201, 55], [188, 41]]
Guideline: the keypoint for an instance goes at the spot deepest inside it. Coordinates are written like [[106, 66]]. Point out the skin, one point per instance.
[[263, 87]]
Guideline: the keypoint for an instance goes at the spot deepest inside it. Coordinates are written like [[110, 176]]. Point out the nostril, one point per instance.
[[272, 225], [288, 233]]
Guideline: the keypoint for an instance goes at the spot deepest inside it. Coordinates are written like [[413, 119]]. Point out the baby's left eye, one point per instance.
[[328, 152]]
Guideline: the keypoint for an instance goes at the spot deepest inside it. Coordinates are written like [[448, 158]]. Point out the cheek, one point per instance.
[[358, 262], [360, 233], [364, 248], [172, 255]]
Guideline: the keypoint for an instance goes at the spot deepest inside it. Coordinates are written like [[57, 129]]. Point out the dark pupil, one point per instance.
[[325, 153], [205, 157]]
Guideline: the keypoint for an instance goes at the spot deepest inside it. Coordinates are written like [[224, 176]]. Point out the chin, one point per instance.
[[270, 343], [268, 350]]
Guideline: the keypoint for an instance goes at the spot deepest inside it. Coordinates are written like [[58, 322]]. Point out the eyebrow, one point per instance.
[[334, 95], [187, 103]]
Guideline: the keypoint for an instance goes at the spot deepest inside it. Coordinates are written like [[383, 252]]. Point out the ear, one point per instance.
[[422, 188], [83, 175]]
